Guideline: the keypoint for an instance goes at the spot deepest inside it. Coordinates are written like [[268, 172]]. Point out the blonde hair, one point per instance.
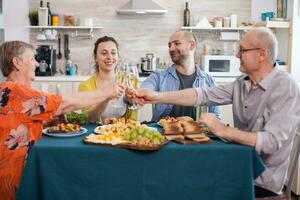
[[9, 50]]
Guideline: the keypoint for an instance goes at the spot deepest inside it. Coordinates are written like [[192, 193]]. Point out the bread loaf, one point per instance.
[[173, 128], [191, 127], [184, 118]]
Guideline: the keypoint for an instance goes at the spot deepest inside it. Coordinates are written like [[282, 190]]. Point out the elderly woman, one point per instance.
[[106, 55], [23, 110]]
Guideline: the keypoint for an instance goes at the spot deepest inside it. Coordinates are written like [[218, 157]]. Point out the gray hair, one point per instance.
[[265, 38], [9, 50]]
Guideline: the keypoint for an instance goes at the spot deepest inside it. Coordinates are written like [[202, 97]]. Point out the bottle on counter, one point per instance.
[[186, 15], [281, 9], [43, 15], [49, 14]]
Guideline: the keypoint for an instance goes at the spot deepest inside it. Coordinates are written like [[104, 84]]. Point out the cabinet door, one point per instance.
[[53, 87], [75, 86]]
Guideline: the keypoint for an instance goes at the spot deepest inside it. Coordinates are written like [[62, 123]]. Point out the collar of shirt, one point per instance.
[[265, 83], [172, 71]]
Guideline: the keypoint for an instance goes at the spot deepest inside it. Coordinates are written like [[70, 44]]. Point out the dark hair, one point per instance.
[[100, 40], [9, 50]]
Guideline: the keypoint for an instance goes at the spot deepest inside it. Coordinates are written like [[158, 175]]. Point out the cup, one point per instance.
[[48, 33], [226, 21], [266, 16], [41, 37], [55, 20], [233, 21], [218, 22], [43, 66], [73, 70]]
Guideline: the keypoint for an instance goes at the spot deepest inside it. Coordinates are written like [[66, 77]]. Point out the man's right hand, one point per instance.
[[145, 96]]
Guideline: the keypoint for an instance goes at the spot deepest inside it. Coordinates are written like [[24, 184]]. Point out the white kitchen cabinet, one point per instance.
[[59, 84], [54, 87]]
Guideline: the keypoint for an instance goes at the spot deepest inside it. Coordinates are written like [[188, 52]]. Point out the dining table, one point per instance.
[[62, 168]]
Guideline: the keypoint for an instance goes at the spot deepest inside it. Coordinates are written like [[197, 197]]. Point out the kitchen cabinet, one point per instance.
[[54, 87], [58, 84]]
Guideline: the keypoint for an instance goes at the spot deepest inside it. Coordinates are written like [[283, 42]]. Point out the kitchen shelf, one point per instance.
[[274, 24], [241, 28], [75, 34], [66, 27]]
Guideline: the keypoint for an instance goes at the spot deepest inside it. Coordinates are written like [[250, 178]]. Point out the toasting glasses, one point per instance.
[[120, 79], [133, 82]]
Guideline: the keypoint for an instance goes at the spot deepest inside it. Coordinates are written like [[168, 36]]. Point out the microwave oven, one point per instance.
[[221, 65]]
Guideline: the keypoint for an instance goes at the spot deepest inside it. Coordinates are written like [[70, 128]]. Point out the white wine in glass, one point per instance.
[[133, 82]]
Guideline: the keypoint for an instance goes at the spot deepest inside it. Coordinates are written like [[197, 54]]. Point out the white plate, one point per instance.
[[65, 134], [159, 124], [153, 128]]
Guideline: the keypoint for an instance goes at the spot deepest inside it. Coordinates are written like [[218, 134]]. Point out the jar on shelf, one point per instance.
[[69, 20], [55, 19], [281, 9], [218, 22]]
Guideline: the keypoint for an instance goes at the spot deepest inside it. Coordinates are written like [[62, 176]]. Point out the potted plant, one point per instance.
[[33, 18]]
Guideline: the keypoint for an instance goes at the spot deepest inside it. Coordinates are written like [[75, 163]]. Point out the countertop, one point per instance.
[[80, 78], [62, 78]]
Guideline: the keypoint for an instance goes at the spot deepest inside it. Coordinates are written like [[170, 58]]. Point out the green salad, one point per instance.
[[78, 118]]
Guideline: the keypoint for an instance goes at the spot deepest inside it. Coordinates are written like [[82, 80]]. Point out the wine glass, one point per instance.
[[120, 74], [120, 79], [133, 82]]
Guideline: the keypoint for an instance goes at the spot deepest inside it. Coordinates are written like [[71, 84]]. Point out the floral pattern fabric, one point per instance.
[[22, 112]]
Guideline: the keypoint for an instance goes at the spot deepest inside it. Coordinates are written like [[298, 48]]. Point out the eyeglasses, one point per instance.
[[241, 50]]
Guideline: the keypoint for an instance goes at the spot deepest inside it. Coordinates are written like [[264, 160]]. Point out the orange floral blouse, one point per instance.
[[22, 112]]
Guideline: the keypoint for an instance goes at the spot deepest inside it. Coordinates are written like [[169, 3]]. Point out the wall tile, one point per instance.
[[136, 34]]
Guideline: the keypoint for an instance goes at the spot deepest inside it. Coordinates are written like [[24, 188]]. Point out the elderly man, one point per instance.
[[184, 73], [266, 107]]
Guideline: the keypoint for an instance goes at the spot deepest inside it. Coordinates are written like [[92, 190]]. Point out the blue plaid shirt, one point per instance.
[[167, 80]]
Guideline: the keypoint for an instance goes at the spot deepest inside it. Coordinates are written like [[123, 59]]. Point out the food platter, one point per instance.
[[47, 132], [129, 145], [127, 134], [98, 129]]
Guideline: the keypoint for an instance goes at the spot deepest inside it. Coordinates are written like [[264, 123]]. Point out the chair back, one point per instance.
[[294, 158]]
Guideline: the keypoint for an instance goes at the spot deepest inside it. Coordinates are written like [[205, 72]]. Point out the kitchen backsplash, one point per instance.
[[136, 34]]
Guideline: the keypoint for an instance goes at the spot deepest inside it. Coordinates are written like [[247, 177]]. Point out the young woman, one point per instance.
[[23, 110], [106, 55]]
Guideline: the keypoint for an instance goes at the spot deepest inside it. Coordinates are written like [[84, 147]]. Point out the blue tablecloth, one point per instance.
[[66, 168]]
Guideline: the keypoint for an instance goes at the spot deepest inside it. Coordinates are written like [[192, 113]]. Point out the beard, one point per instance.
[[178, 58]]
